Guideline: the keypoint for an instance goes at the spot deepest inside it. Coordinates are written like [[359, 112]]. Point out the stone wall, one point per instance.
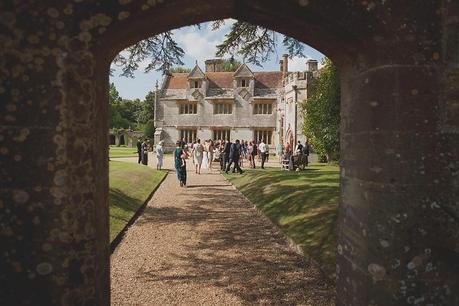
[[398, 214]]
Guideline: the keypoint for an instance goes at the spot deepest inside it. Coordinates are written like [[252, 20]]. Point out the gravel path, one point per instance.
[[207, 245]]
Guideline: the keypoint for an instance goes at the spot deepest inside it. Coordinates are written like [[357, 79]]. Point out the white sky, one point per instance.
[[199, 44]]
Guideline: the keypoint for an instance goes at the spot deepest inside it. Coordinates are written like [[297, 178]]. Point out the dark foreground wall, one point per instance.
[[399, 211]]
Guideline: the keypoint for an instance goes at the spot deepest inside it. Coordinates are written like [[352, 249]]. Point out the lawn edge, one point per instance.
[[290, 242], [119, 237]]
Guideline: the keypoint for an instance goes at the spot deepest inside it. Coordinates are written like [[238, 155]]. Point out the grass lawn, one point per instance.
[[122, 151], [303, 204], [130, 186]]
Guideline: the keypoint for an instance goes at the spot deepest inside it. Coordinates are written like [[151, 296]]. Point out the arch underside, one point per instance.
[[399, 138]]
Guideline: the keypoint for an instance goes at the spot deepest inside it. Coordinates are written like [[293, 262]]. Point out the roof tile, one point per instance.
[[268, 79]]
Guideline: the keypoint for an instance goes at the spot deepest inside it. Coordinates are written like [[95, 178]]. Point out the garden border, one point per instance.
[[119, 237], [291, 243]]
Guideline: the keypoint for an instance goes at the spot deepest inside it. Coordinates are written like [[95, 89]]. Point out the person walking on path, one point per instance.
[[254, 154], [221, 148], [205, 155], [244, 149], [139, 150], [299, 148], [211, 149], [226, 154], [159, 155], [235, 154], [144, 152], [197, 152], [262, 149], [180, 163], [249, 154]]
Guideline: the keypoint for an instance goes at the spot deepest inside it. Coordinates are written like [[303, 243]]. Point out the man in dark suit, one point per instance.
[[139, 149], [226, 154], [235, 154]]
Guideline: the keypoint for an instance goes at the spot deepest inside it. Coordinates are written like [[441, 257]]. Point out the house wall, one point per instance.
[[241, 121]]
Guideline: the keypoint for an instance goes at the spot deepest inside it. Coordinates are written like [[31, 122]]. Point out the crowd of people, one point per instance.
[[144, 146], [230, 155]]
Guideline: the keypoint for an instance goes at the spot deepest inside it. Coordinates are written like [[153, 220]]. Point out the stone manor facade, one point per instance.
[[245, 105]]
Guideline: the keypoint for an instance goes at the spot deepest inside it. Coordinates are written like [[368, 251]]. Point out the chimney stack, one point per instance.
[[312, 65], [214, 65], [281, 66], [285, 64]]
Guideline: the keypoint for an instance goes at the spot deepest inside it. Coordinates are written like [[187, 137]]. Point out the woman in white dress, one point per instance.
[[211, 149], [159, 155], [205, 158], [198, 149]]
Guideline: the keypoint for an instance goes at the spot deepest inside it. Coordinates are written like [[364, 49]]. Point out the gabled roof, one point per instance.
[[196, 73], [176, 81], [220, 79], [243, 72], [268, 79], [263, 80]]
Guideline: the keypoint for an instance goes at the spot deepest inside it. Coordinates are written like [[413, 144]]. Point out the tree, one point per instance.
[[231, 65], [116, 120], [149, 129], [180, 69], [321, 112], [126, 113], [147, 109], [254, 43], [161, 50]]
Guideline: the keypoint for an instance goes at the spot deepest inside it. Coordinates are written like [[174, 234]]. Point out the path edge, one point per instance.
[[290, 242], [119, 237]]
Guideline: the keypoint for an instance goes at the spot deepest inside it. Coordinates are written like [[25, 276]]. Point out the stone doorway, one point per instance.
[[399, 221]]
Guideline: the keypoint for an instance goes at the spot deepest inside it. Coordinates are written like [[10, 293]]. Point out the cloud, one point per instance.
[[196, 45], [297, 63], [201, 44]]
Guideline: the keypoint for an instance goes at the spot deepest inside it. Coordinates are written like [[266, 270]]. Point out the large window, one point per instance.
[[188, 135], [222, 134], [188, 108], [263, 108], [223, 108], [264, 134]]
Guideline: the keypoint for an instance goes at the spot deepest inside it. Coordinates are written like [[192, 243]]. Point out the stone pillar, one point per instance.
[[54, 168], [398, 228]]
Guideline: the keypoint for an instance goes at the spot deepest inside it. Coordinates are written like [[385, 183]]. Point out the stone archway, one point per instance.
[[400, 139]]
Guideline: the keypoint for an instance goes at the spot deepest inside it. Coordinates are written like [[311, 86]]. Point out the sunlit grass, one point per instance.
[[130, 185], [122, 151], [303, 204]]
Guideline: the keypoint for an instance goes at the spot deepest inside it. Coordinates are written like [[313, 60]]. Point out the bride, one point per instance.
[[205, 158]]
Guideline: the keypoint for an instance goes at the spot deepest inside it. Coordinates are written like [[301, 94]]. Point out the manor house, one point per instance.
[[245, 105]]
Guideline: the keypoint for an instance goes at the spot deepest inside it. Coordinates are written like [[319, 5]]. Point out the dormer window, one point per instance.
[[195, 84], [243, 83], [196, 77]]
